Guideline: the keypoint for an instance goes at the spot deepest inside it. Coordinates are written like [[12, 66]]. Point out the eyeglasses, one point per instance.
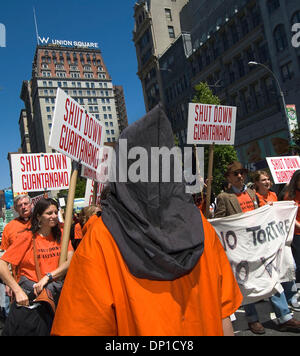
[[236, 173]]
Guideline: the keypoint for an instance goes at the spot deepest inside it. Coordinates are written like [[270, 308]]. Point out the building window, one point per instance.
[[296, 18], [244, 25], [280, 38], [287, 71], [272, 5], [171, 31], [225, 41], [168, 14], [234, 33], [240, 65], [61, 74], [46, 74]]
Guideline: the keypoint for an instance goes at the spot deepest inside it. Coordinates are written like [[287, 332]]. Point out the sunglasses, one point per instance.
[[236, 173]]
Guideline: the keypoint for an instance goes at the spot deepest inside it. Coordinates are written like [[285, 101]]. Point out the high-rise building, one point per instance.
[[82, 74], [157, 25], [121, 107]]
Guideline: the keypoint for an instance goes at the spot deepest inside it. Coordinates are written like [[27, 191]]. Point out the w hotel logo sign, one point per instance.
[[2, 35], [44, 40]]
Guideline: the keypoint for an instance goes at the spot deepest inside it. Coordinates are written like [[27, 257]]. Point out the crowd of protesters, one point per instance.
[[140, 266], [18, 270]]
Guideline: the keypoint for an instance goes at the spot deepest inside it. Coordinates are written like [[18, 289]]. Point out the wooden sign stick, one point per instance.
[[69, 214], [209, 178]]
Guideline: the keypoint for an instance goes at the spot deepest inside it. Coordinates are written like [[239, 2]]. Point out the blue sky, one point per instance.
[[110, 23]]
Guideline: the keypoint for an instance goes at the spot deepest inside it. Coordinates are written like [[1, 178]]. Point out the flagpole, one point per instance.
[[36, 28]]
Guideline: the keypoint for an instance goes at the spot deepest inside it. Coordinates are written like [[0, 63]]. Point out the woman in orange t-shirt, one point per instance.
[[45, 227], [262, 187], [293, 193]]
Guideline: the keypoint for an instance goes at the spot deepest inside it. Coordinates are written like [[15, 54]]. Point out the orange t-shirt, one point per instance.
[[105, 299], [20, 254], [265, 199], [245, 201], [78, 232], [12, 231]]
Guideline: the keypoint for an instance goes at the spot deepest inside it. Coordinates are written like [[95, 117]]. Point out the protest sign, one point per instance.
[[257, 244], [282, 168], [37, 198], [75, 132], [35, 172], [211, 124], [89, 192], [101, 175]]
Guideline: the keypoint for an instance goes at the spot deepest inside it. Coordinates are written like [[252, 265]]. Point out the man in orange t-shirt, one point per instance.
[[23, 206], [238, 198], [151, 264]]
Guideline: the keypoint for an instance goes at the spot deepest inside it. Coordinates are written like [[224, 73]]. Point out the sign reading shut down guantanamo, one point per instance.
[[75, 132], [208, 124], [35, 172]]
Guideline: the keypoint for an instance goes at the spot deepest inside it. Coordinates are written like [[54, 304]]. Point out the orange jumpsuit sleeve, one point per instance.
[[91, 300]]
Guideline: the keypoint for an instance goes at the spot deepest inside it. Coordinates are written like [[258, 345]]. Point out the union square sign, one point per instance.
[[67, 43]]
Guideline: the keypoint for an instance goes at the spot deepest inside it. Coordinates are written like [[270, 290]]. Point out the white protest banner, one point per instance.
[[211, 124], [89, 192], [257, 244], [35, 172], [282, 168], [74, 132]]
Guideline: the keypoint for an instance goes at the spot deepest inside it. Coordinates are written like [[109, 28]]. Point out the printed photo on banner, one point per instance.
[[36, 172], [258, 246], [283, 168], [208, 124]]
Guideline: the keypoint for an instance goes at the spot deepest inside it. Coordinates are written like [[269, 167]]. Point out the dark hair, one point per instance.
[[292, 186], [38, 210]]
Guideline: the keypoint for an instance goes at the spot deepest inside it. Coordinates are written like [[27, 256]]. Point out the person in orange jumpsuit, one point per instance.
[[151, 264]]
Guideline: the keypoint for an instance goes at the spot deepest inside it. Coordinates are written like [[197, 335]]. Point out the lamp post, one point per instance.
[[252, 63]]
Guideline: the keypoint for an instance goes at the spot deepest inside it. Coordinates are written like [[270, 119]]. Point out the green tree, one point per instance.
[[223, 154], [79, 190]]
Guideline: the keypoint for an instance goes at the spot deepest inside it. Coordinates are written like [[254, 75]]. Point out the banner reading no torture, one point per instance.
[[257, 244]]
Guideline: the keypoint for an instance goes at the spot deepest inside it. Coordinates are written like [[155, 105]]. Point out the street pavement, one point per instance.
[[267, 318]]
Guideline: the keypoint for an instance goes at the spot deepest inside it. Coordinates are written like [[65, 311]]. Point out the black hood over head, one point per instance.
[[156, 226]]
